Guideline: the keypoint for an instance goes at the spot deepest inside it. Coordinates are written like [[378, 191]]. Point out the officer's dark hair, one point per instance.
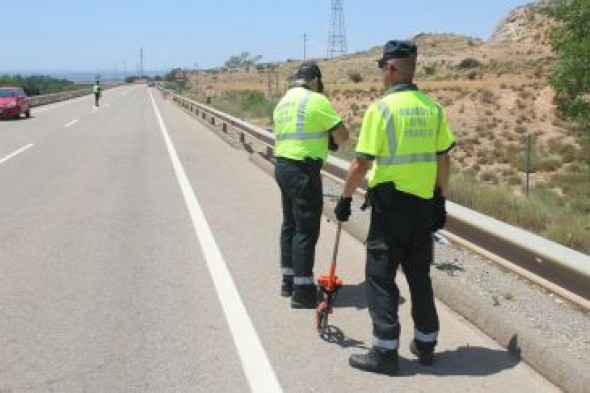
[[400, 55], [308, 71]]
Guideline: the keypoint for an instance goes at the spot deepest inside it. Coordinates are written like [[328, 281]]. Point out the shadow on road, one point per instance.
[[465, 360], [334, 335], [354, 296]]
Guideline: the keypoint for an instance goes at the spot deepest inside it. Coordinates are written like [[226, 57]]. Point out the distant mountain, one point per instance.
[[79, 76]]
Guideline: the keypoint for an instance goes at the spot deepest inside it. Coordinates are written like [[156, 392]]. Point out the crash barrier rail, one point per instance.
[[559, 269], [495, 240], [66, 95]]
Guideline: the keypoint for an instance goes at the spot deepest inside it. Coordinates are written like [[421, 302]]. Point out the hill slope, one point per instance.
[[496, 92]]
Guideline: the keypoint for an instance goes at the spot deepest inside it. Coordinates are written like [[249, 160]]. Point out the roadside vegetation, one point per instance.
[[250, 105], [570, 39], [38, 84], [506, 103]]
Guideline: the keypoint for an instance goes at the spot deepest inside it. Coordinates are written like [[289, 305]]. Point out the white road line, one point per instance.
[[16, 153], [255, 363], [71, 123]]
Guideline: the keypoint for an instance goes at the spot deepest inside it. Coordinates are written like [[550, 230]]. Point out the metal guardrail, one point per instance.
[[45, 99], [552, 265], [51, 98]]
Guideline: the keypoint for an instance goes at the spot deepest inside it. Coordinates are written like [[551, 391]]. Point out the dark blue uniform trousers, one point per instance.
[[400, 233], [302, 200]]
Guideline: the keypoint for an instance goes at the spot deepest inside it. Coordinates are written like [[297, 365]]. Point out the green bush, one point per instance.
[[570, 38], [429, 70], [469, 63], [355, 76], [246, 104], [544, 212], [38, 84]]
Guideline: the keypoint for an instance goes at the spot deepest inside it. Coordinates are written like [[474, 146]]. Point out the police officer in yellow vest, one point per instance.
[[305, 123], [97, 90], [404, 142]]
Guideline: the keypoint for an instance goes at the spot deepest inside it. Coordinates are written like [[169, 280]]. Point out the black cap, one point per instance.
[[397, 49], [308, 71]]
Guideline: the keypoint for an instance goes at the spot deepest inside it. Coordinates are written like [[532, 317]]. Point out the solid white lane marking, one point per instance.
[[16, 153], [71, 123], [255, 363]]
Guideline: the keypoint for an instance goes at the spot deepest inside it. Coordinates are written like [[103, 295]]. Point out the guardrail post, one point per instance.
[[527, 161], [269, 155]]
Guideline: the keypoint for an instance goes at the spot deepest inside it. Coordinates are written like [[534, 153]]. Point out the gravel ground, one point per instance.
[[528, 305], [525, 303]]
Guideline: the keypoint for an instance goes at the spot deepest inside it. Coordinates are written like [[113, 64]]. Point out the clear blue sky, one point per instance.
[[104, 34]]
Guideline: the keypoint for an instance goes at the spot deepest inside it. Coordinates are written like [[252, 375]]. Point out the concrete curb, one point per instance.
[[551, 361]]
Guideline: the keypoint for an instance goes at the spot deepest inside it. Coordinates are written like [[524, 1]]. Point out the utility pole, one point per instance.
[[125, 70], [337, 36], [197, 75], [140, 62], [304, 46]]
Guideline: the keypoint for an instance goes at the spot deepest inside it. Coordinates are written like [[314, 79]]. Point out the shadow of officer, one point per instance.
[[465, 360]]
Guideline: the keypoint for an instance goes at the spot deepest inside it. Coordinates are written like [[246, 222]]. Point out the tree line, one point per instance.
[[37, 84], [570, 39]]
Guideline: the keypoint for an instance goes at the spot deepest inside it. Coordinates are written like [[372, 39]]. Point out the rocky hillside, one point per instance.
[[495, 92]]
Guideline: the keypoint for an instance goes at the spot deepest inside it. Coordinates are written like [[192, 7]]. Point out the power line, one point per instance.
[[337, 35]]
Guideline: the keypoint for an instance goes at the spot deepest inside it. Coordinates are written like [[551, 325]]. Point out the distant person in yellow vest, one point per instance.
[[306, 124], [404, 142], [97, 90]]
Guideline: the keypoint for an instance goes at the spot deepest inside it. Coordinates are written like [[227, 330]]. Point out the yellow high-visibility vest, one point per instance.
[[302, 121], [403, 132]]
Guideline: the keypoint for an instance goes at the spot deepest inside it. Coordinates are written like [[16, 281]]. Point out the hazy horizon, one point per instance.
[[73, 36]]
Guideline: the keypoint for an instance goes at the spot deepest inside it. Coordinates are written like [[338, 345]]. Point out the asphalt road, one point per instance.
[[139, 252]]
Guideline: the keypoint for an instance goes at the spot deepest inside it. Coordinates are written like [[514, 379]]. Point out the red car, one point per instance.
[[13, 102]]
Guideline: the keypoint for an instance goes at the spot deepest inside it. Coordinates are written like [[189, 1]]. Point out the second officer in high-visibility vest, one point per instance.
[[404, 141], [305, 125], [97, 91]]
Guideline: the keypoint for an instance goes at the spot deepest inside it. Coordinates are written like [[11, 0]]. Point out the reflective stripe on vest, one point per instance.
[[300, 134], [393, 158]]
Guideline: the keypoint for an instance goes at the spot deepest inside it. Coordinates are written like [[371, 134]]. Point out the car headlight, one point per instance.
[[11, 104]]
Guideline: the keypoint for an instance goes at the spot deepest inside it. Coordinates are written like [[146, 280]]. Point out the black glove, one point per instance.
[[342, 210], [332, 145], [440, 210]]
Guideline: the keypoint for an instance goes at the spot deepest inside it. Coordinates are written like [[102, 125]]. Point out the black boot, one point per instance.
[[305, 296], [424, 352], [287, 286], [376, 361]]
